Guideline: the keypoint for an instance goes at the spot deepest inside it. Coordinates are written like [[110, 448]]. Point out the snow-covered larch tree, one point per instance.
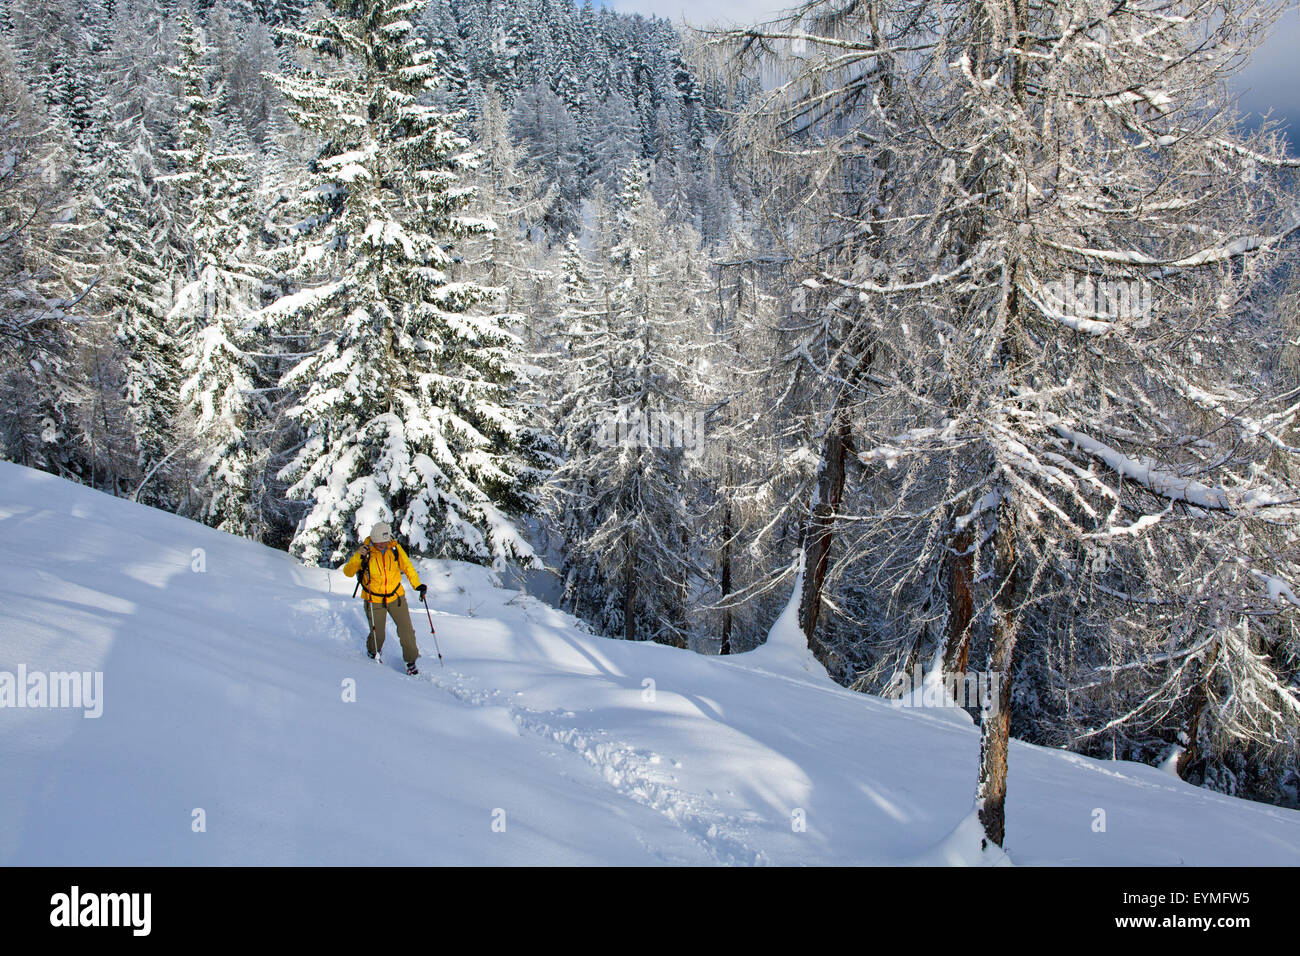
[[1061, 239], [44, 276]]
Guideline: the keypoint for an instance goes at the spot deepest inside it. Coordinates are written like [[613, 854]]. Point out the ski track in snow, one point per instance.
[[629, 771]]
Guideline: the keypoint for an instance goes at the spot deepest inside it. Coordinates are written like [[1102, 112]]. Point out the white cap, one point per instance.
[[381, 533]]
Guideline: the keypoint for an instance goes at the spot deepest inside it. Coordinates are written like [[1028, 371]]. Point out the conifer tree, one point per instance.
[[407, 402], [136, 297], [42, 286], [220, 388], [629, 424]]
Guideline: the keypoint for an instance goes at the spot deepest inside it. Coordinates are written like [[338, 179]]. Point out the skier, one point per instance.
[[378, 566]]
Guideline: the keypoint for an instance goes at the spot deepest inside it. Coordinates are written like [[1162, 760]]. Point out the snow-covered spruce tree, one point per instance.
[[193, 133], [407, 404], [220, 390], [147, 244], [437, 26], [220, 386], [136, 295], [594, 90], [1068, 492], [628, 424], [144, 105]]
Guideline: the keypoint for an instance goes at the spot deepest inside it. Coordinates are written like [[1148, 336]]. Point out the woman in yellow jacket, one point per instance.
[[379, 565]]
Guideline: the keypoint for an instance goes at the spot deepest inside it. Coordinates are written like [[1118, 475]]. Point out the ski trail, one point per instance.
[[631, 772]]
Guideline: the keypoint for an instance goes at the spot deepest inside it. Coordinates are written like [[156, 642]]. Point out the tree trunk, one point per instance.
[[726, 577], [1192, 757], [821, 523], [995, 728], [961, 603], [680, 637], [629, 593]]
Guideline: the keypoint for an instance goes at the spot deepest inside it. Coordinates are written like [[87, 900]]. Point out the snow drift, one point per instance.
[[242, 724]]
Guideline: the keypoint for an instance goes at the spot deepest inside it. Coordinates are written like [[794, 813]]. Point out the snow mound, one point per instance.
[[933, 696], [786, 649], [965, 846]]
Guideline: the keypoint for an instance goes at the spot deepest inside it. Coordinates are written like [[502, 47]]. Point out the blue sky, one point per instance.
[[1270, 81]]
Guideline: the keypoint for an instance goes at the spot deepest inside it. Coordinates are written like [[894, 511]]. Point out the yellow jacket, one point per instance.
[[381, 579]]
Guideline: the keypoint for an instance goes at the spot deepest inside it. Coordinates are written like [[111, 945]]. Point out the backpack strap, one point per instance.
[[366, 571]]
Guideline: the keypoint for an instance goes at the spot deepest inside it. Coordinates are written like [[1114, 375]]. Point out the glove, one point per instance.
[[421, 590]]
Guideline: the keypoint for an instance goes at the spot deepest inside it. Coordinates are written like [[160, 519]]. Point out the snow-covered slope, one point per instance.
[[225, 666]]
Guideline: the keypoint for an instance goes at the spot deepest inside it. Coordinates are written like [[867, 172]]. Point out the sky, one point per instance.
[[1271, 81]]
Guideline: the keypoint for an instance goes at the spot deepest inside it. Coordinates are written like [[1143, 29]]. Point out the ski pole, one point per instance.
[[370, 640], [432, 632]]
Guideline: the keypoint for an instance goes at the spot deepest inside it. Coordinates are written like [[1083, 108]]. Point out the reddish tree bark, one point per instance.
[[961, 603], [995, 728], [821, 525]]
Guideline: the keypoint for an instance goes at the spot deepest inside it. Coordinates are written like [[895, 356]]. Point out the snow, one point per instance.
[[786, 649], [224, 670], [1278, 590], [987, 502], [300, 301], [1169, 485], [1231, 249], [964, 846]]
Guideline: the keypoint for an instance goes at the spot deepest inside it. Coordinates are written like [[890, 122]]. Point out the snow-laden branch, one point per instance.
[[1079, 323], [927, 283], [1172, 486], [1262, 159], [1210, 256]]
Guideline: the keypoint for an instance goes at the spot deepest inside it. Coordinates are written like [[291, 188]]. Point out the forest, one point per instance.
[[975, 323]]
